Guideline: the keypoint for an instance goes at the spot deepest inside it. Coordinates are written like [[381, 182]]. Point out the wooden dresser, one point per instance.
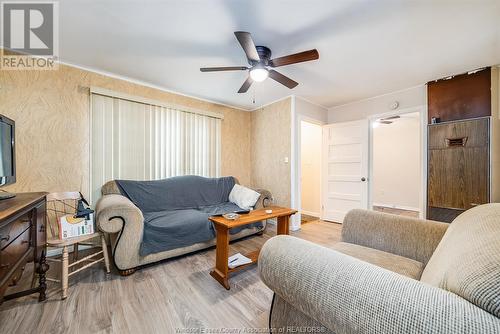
[[463, 143], [22, 240]]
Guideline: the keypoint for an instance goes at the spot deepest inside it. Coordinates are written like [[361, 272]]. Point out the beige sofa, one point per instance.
[[118, 216], [390, 274]]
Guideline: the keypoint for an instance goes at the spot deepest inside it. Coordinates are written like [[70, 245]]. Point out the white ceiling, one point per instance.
[[366, 48]]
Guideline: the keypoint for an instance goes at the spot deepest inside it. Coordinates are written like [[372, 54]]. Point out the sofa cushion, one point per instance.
[[409, 237], [166, 230], [398, 264], [467, 260]]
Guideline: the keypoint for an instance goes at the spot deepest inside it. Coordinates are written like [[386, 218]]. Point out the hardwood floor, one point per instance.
[[401, 212], [175, 296], [304, 219]]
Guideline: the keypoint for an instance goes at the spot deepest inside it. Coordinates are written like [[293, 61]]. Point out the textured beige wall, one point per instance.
[[51, 110], [271, 143]]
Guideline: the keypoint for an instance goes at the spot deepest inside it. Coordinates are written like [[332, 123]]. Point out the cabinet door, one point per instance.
[[458, 164]]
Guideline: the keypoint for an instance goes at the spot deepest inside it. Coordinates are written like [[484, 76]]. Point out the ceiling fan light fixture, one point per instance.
[[259, 74]]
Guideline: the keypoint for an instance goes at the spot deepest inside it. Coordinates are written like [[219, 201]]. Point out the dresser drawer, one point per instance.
[[12, 230], [14, 251], [22, 219]]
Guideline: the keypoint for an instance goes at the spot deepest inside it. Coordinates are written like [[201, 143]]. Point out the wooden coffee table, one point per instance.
[[222, 226]]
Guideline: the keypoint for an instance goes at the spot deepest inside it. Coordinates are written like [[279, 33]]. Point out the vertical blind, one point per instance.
[[142, 141]]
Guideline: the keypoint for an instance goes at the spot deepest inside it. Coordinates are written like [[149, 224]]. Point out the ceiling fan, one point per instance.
[[388, 120], [261, 64]]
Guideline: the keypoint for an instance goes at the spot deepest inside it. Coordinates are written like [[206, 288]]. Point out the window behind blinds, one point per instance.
[[142, 141]]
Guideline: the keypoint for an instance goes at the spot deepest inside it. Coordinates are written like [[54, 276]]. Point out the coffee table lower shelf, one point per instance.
[[254, 256], [223, 279]]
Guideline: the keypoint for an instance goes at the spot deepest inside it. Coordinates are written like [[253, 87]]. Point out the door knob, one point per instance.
[[363, 179]]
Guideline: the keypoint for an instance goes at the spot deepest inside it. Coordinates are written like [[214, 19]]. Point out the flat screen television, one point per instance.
[[7, 154]]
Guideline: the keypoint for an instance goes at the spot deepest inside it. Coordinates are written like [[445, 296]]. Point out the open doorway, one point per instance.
[[310, 171], [397, 164]]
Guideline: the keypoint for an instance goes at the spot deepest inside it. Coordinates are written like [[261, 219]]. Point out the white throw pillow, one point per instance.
[[243, 197]]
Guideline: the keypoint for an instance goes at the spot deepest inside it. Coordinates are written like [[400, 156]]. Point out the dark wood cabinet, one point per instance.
[[464, 149], [22, 240], [458, 175]]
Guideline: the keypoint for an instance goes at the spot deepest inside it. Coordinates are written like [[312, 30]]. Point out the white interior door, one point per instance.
[[345, 169]]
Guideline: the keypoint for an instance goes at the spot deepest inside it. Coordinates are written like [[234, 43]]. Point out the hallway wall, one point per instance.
[[397, 163], [310, 168]]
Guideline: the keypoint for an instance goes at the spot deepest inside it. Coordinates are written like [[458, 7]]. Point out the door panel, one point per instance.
[[345, 163], [344, 168]]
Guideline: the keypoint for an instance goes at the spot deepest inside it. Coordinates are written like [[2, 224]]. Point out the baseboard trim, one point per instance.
[[400, 207], [310, 213]]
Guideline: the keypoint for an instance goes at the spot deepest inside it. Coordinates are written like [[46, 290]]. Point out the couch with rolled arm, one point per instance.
[[118, 216], [389, 274]]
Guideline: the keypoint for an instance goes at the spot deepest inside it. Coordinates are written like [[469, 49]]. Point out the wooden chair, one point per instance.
[[65, 203]]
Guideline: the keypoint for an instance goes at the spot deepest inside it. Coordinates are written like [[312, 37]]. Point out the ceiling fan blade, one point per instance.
[[244, 88], [295, 58], [385, 122], [227, 68], [246, 42], [282, 79], [391, 117]]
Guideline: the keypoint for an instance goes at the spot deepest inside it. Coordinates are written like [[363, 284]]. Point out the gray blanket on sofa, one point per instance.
[[176, 210]]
